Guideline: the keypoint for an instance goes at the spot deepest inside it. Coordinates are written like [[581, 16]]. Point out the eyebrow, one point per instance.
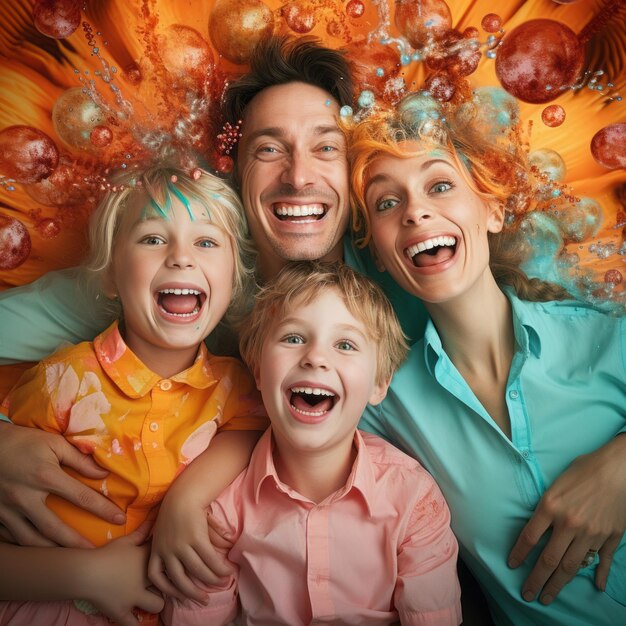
[[342, 327], [424, 166], [277, 132]]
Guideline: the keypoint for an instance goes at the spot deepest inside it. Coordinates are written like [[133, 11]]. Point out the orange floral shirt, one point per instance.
[[140, 427]]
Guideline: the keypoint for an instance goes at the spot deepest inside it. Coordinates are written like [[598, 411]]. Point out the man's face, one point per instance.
[[293, 174]]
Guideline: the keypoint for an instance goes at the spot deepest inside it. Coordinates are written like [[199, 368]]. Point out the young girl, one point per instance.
[[145, 397], [494, 401]]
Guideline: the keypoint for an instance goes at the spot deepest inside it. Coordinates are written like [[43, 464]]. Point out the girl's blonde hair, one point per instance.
[[299, 284], [156, 188], [495, 167]]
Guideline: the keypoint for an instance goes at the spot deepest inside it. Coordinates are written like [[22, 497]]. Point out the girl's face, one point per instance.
[[429, 227], [174, 277]]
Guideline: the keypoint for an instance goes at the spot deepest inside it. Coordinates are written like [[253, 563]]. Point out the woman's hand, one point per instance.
[[30, 461], [585, 509]]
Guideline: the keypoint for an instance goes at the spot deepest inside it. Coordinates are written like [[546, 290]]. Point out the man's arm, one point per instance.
[[585, 509], [60, 307]]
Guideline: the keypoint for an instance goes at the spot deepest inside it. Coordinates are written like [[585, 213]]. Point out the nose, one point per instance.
[[299, 171], [180, 256], [415, 212], [314, 357]]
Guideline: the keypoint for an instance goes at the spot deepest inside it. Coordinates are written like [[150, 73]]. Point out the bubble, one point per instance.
[[101, 136], [550, 162], [491, 23], [186, 55], [608, 146], [454, 54], [237, 26], [540, 237], [582, 220], [74, 116], [26, 154], [65, 187], [365, 61], [422, 22], [366, 98], [355, 8], [441, 87], [537, 59], [48, 228], [553, 115], [15, 243], [613, 276], [133, 74], [224, 164], [300, 17], [499, 111], [56, 18]]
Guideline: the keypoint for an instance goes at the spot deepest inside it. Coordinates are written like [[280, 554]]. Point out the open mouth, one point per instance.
[[312, 401], [181, 302], [300, 212], [432, 251]]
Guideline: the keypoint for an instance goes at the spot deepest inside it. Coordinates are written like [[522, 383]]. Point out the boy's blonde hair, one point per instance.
[[300, 283], [157, 188]]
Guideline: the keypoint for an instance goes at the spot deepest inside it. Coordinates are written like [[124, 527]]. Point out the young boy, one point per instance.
[[328, 523]]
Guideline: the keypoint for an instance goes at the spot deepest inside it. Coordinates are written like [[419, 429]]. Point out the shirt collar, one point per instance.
[[525, 328], [361, 478], [132, 377]]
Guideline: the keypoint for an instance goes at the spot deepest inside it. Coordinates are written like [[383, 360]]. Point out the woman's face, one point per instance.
[[429, 227]]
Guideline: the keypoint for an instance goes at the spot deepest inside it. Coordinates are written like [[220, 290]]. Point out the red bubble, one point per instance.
[[365, 60], [65, 187], [101, 136], [422, 22], [26, 154], [537, 58], [491, 23], [186, 55], [132, 73], [613, 276], [441, 87], [470, 33], [56, 18], [333, 28], [355, 8], [237, 26], [553, 115], [462, 62], [299, 17], [15, 243], [48, 228], [224, 164], [608, 146]]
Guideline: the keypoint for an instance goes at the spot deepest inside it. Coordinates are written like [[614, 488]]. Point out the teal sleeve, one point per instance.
[[60, 307], [4, 418], [410, 310]]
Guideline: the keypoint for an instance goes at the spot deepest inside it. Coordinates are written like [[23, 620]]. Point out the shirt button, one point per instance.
[[166, 385], [513, 394], [525, 454], [154, 427]]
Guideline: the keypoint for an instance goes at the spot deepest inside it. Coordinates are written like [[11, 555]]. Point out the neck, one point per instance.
[[269, 266], [476, 329], [315, 474]]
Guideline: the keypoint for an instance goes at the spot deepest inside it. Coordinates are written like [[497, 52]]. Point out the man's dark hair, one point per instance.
[[282, 60]]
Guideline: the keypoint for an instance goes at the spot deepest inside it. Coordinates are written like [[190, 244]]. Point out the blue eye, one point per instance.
[[441, 187], [293, 339], [346, 345], [328, 148], [385, 205], [206, 243], [152, 240]]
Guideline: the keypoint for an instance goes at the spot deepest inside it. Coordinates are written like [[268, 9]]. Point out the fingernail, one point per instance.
[[513, 563], [119, 518], [529, 596], [546, 599]]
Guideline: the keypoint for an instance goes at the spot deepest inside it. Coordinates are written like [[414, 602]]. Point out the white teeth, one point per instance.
[[428, 244], [316, 391], [194, 312], [181, 292], [312, 413], [299, 210]]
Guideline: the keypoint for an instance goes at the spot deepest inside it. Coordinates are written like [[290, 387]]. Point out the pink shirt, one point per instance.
[[377, 551]]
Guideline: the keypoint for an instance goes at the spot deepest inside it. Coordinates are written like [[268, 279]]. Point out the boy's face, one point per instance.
[[316, 375]]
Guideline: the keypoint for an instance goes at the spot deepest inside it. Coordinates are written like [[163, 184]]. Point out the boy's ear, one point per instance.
[[380, 266], [379, 392], [495, 216]]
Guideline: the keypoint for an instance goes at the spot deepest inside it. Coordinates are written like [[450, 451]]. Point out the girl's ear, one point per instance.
[[495, 216], [109, 288]]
